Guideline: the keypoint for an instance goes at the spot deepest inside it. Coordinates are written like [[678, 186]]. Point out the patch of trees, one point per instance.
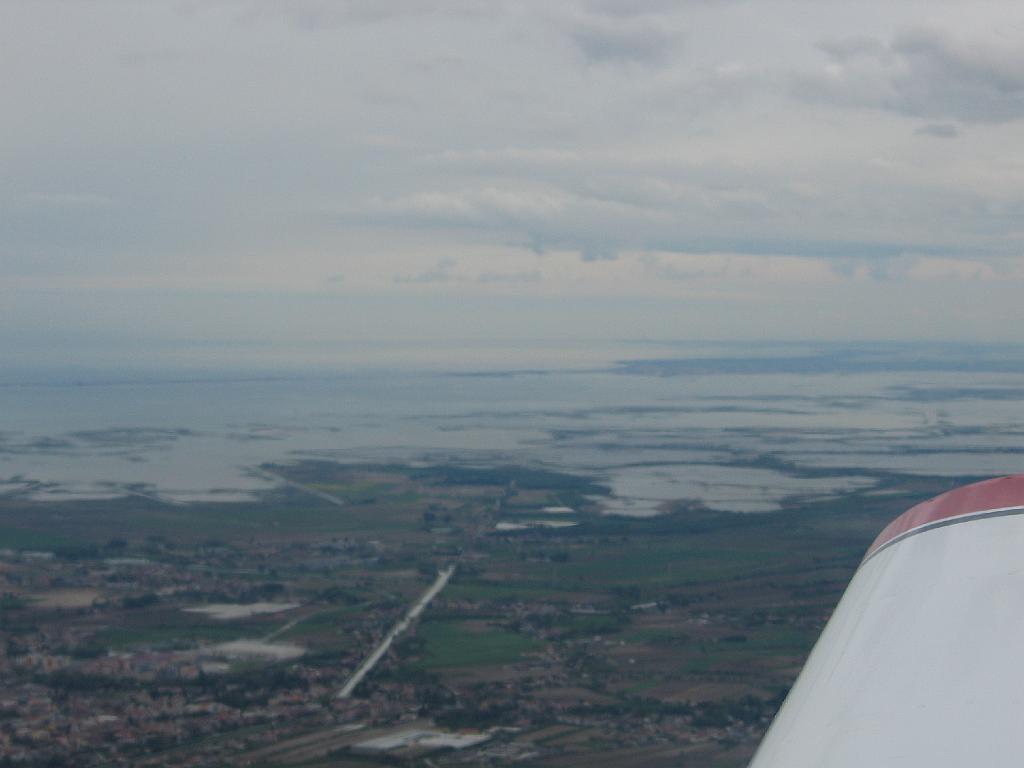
[[748, 710], [11, 602], [75, 552], [336, 594], [491, 715], [250, 687], [145, 600], [73, 681], [265, 591], [519, 477]]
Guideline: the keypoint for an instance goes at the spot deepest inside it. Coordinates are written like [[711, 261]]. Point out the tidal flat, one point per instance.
[[736, 432]]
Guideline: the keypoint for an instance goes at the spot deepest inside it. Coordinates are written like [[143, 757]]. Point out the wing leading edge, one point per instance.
[[920, 665]]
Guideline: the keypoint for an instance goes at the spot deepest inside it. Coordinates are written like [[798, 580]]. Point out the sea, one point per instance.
[[741, 427]]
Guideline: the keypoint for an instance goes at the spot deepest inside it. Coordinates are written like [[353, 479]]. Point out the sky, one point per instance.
[[188, 174]]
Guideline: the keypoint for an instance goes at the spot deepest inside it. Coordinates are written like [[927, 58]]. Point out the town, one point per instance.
[[141, 633]]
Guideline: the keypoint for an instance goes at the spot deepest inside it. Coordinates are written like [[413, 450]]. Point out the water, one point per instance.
[[740, 440]]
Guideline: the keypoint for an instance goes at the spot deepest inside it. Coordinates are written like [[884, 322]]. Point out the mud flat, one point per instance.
[[256, 649], [64, 598], [229, 611]]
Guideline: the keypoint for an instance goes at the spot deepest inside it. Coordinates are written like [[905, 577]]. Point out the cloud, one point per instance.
[[542, 145], [596, 221], [142, 58], [537, 157], [687, 208], [938, 130], [849, 48], [516, 205], [717, 267], [598, 252], [918, 267], [895, 268], [622, 40], [440, 273], [323, 14], [474, 206], [628, 8], [923, 72], [70, 200], [533, 276], [664, 271]]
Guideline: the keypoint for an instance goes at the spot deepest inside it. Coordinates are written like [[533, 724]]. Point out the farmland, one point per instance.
[[610, 641]]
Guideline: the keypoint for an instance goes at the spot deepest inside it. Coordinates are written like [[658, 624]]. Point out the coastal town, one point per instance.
[[429, 616]]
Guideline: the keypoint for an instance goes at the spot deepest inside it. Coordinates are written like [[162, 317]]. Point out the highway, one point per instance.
[[300, 487], [378, 653]]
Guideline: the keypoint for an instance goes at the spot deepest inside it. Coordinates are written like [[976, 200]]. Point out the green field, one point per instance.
[[635, 623], [22, 538], [325, 627], [449, 644], [122, 638]]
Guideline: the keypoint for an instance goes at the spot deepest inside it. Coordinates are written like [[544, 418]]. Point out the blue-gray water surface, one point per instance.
[[730, 430]]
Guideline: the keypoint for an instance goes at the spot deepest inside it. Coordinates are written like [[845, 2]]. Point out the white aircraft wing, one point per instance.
[[922, 663]]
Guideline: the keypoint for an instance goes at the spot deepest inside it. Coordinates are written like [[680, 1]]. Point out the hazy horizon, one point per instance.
[[287, 173], [137, 361]]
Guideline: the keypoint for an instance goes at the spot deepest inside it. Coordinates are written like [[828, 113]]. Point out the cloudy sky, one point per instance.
[[293, 172]]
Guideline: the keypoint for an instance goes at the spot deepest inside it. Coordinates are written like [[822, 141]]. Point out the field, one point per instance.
[[453, 644], [616, 641]]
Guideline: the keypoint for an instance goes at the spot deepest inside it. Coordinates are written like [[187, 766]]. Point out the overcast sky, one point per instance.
[[262, 170]]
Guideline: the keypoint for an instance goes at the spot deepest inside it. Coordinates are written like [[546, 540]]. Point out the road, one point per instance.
[[378, 653], [337, 501], [281, 630]]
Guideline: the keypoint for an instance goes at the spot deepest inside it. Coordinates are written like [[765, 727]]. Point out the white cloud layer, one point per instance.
[[761, 168]]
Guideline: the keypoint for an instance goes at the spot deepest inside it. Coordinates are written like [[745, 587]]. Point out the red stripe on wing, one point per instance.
[[998, 493]]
